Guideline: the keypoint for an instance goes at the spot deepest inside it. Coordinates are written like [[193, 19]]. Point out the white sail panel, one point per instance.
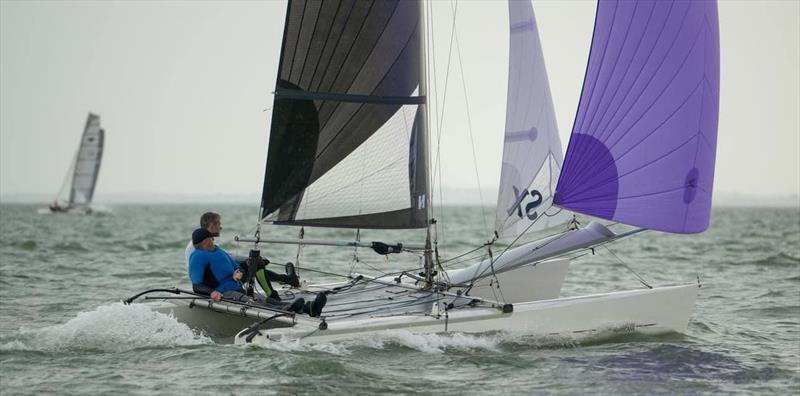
[[87, 163], [529, 207], [531, 149], [62, 199]]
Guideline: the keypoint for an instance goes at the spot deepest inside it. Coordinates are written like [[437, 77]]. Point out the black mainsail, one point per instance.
[[347, 143]]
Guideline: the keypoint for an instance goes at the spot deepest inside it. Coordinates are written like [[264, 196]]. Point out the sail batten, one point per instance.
[[347, 143], [643, 145], [297, 94], [531, 147]]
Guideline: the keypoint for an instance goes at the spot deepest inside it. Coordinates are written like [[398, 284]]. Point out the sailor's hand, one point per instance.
[[237, 275], [216, 296]]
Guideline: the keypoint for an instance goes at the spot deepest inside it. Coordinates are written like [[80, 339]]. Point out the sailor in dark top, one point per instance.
[[213, 223], [213, 272]]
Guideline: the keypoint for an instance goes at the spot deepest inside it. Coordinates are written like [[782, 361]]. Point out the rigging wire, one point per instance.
[[641, 280], [480, 256], [557, 237], [355, 252], [494, 277], [438, 165], [300, 246], [446, 84], [437, 174], [68, 179], [469, 126]]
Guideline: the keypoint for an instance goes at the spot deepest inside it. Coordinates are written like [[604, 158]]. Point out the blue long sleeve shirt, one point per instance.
[[221, 265]]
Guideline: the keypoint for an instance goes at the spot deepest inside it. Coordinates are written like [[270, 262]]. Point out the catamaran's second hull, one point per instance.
[[652, 311]]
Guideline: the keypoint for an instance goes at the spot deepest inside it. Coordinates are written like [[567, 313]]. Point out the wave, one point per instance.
[[28, 245], [778, 260], [664, 362], [495, 342], [114, 328], [70, 247], [178, 246], [778, 312]]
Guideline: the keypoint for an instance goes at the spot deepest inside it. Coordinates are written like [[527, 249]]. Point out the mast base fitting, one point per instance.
[[323, 325], [508, 308]]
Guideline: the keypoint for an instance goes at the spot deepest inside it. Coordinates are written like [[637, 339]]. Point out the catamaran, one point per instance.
[[349, 148], [78, 188]]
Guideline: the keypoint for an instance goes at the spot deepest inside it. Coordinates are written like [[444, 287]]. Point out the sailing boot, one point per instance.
[[291, 275], [314, 308]]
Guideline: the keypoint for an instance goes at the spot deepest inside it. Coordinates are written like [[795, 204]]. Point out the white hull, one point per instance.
[[659, 310], [542, 281], [80, 210], [218, 320]]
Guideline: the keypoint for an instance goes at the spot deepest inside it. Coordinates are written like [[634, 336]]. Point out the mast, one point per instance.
[[423, 92]]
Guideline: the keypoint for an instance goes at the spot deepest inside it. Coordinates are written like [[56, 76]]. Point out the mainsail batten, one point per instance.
[[347, 85], [643, 145]]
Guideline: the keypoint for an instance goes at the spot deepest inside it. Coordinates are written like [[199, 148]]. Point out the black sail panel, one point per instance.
[[293, 144], [345, 139]]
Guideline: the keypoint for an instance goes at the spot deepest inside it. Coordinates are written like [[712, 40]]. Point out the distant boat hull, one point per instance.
[[70, 209], [652, 311]]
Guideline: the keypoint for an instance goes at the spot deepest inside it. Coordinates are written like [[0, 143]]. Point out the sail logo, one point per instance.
[[533, 198]]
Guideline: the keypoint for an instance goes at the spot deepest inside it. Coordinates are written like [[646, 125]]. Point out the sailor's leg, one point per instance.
[[276, 277], [292, 306], [263, 279], [289, 278], [314, 308]]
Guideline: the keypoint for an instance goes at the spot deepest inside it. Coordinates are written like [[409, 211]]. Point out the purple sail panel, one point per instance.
[[644, 140]]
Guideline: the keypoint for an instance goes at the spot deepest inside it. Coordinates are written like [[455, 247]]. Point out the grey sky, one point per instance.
[[182, 89]]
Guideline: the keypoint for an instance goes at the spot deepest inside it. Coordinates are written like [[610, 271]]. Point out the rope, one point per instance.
[[464, 254]]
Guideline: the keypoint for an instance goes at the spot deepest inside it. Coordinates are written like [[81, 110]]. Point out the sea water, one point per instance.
[[63, 329]]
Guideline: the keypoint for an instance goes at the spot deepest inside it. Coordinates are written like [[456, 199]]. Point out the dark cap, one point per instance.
[[200, 234]]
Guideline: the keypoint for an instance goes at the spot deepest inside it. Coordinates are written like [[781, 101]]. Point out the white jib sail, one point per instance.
[[532, 153]]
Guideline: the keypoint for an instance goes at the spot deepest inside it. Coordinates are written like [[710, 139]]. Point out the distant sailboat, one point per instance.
[[78, 188]]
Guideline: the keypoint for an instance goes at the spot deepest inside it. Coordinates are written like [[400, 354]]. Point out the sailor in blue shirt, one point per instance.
[[210, 257], [213, 272]]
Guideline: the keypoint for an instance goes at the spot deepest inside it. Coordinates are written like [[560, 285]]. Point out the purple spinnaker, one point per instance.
[[644, 140]]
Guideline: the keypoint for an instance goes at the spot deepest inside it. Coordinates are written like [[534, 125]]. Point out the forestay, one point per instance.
[[644, 140], [347, 141], [87, 163], [531, 149]]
